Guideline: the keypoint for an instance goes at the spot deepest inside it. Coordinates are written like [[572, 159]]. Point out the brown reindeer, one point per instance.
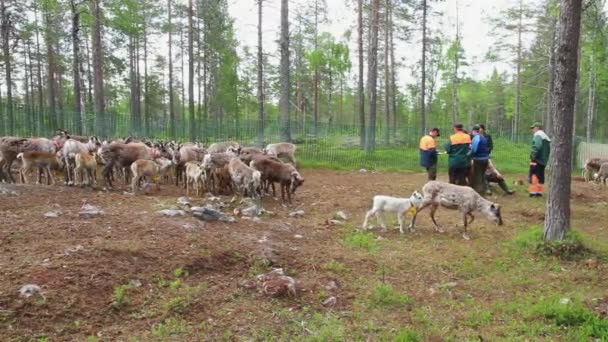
[[10, 147], [123, 155]]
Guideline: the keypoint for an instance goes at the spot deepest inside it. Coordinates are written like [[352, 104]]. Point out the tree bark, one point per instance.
[[76, 67], [171, 104], [360, 90], [261, 114], [51, 84], [387, 87], [550, 88], [515, 133], [40, 120], [393, 74], [557, 220], [284, 100], [591, 101], [423, 76], [99, 100], [372, 76], [6, 26], [191, 70], [315, 85]]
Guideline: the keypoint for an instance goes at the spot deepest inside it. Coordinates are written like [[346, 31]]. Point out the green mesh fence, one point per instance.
[[328, 145]]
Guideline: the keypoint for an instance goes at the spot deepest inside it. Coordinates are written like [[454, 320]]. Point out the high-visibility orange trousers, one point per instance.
[[536, 179]]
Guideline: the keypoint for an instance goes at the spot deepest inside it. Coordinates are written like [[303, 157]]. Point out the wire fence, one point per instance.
[[327, 145]]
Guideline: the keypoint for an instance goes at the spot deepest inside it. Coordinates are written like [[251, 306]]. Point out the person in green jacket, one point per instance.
[[458, 150], [539, 157]]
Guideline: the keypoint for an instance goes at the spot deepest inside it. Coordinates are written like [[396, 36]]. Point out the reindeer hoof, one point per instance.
[[439, 230], [411, 229], [466, 236]]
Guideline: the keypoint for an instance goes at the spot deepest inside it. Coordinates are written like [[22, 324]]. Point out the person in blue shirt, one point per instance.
[[480, 153]]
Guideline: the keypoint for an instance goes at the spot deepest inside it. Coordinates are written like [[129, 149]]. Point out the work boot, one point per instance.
[[510, 192]]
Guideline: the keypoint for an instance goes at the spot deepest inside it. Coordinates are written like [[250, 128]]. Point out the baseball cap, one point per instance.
[[537, 125]]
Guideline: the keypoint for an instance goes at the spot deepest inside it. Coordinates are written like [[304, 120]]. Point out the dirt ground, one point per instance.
[[181, 278]]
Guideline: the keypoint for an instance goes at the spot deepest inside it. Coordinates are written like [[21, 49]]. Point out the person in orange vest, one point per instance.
[[539, 157], [428, 153], [458, 150]]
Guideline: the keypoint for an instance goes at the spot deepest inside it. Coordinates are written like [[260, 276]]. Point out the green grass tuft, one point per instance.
[[384, 296], [406, 335], [362, 240]]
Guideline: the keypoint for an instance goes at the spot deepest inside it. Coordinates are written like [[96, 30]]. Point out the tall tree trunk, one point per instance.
[[31, 101], [182, 83], [132, 85], [393, 74], [577, 97], [171, 104], [99, 100], [455, 78], [26, 87], [557, 220], [517, 117], [191, 70], [76, 67], [199, 51], [40, 111], [147, 118], [550, 88], [372, 75], [360, 90], [315, 85], [591, 101], [284, 100], [6, 26], [387, 84], [261, 118], [51, 84], [423, 76]]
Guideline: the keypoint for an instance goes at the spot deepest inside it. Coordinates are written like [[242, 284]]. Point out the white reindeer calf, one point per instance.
[[393, 204]]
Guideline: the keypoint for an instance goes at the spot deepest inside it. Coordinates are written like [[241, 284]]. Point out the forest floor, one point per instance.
[[131, 274]]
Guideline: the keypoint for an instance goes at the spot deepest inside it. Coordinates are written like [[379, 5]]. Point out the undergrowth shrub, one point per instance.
[[570, 248]]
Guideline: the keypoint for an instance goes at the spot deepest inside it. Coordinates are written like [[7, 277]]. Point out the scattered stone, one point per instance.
[[183, 201], [189, 227], [263, 239], [53, 214], [276, 284], [254, 219], [564, 301], [249, 284], [363, 171], [229, 219], [29, 290], [336, 222], [213, 199], [298, 236], [90, 211], [297, 213], [251, 211], [135, 282], [207, 214], [451, 284], [72, 250], [331, 286], [172, 212], [330, 302], [340, 215]]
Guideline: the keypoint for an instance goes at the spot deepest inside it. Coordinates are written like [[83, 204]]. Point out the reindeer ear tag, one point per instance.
[[412, 211]]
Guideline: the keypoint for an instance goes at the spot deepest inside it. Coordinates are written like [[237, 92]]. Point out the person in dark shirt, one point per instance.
[[480, 156]]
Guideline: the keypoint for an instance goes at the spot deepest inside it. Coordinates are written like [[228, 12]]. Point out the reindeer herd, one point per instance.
[[221, 168]]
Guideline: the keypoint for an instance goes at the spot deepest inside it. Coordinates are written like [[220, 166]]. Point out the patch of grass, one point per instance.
[[570, 248], [120, 296], [406, 335], [180, 272], [171, 326], [362, 240], [384, 296], [325, 327], [335, 267], [478, 319], [572, 314], [183, 297]]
